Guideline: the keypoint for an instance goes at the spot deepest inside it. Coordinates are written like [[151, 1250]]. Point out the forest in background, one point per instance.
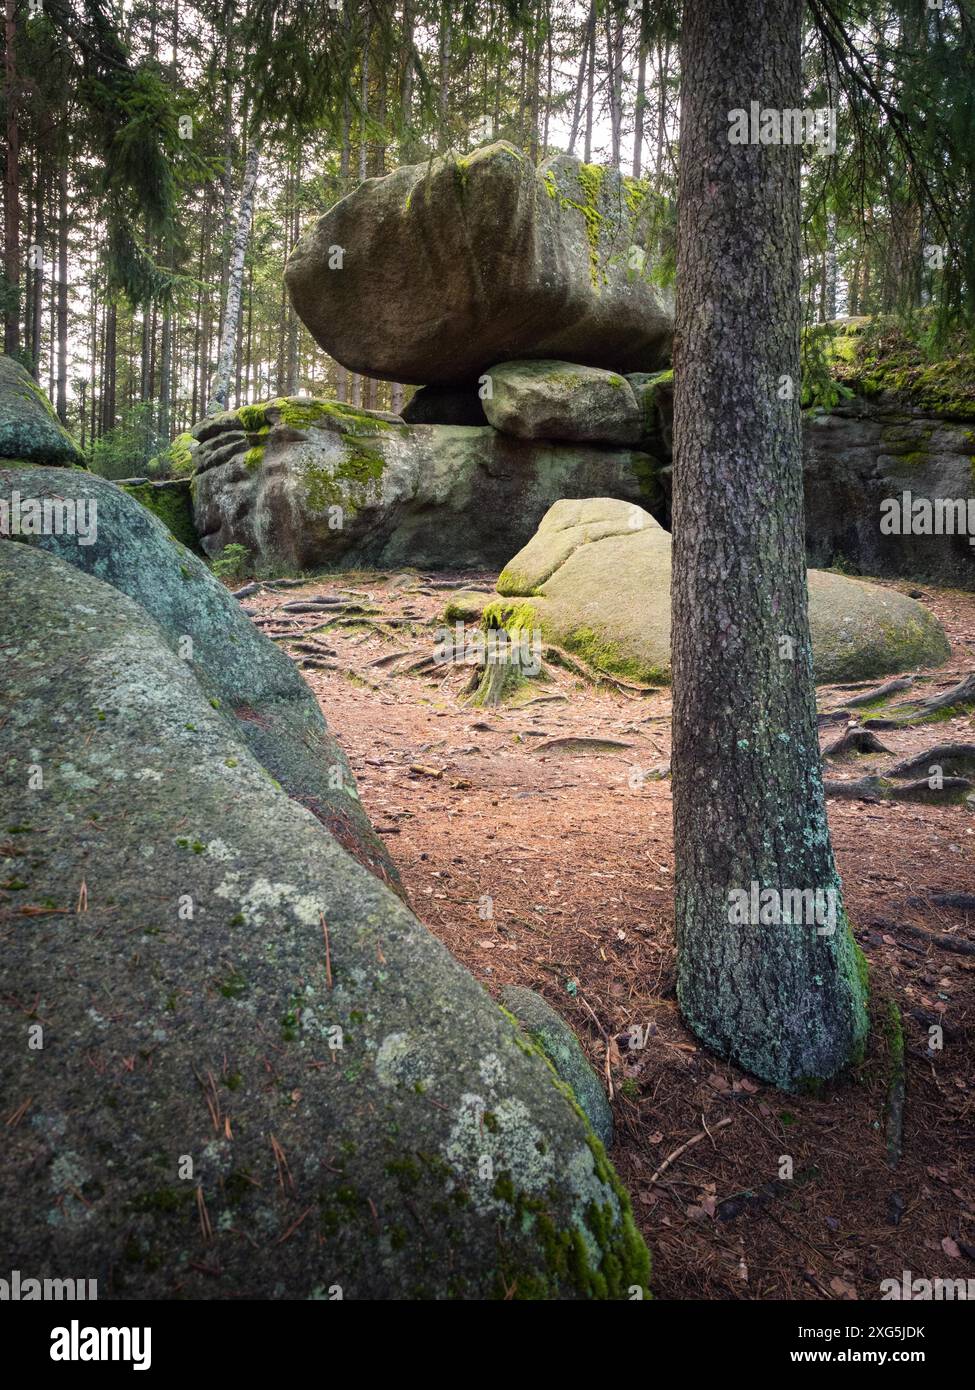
[[162, 158]]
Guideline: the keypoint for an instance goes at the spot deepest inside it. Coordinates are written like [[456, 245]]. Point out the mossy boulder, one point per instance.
[[172, 503], [29, 428], [305, 484], [595, 580], [440, 270], [861, 630], [245, 675], [560, 400], [563, 1049], [243, 1068]]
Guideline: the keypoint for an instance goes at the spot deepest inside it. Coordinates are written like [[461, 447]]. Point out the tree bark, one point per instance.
[[61, 400], [784, 1001], [225, 358]]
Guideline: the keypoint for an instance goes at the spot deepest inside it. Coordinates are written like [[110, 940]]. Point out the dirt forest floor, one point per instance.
[[551, 867]]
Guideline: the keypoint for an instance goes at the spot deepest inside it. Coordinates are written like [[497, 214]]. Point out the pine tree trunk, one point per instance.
[[220, 391], [11, 186], [641, 92], [663, 70], [165, 375], [33, 343], [62, 391], [590, 95], [783, 1001], [581, 78]]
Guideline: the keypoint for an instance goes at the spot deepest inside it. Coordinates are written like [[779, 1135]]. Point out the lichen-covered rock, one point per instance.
[[29, 428], [563, 1050], [446, 405], [560, 400], [440, 270], [306, 483], [278, 716], [595, 579], [241, 1068]]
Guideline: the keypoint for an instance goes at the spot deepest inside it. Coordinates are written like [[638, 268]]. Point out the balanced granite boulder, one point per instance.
[[595, 580], [239, 1067], [563, 401], [29, 428], [304, 483], [244, 675], [441, 270]]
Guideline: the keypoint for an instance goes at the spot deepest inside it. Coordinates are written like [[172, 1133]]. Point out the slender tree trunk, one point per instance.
[[663, 70], [165, 376], [443, 71], [33, 343], [784, 1001], [614, 80], [581, 78], [590, 95], [220, 391], [364, 105], [62, 390], [641, 92], [406, 86], [109, 368], [11, 185]]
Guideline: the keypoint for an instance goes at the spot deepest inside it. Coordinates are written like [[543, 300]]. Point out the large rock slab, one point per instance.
[[855, 457], [277, 714], [443, 269], [303, 483], [596, 580], [866, 451], [29, 428], [560, 400], [240, 1067]]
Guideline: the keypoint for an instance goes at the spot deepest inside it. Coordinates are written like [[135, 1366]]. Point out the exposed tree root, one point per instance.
[[956, 759], [949, 791], [956, 697], [958, 945], [593, 673], [961, 694], [880, 692], [852, 742]]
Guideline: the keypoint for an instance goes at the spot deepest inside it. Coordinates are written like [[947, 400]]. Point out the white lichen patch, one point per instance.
[[491, 1070], [490, 1141], [77, 780], [402, 1060], [263, 902]]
